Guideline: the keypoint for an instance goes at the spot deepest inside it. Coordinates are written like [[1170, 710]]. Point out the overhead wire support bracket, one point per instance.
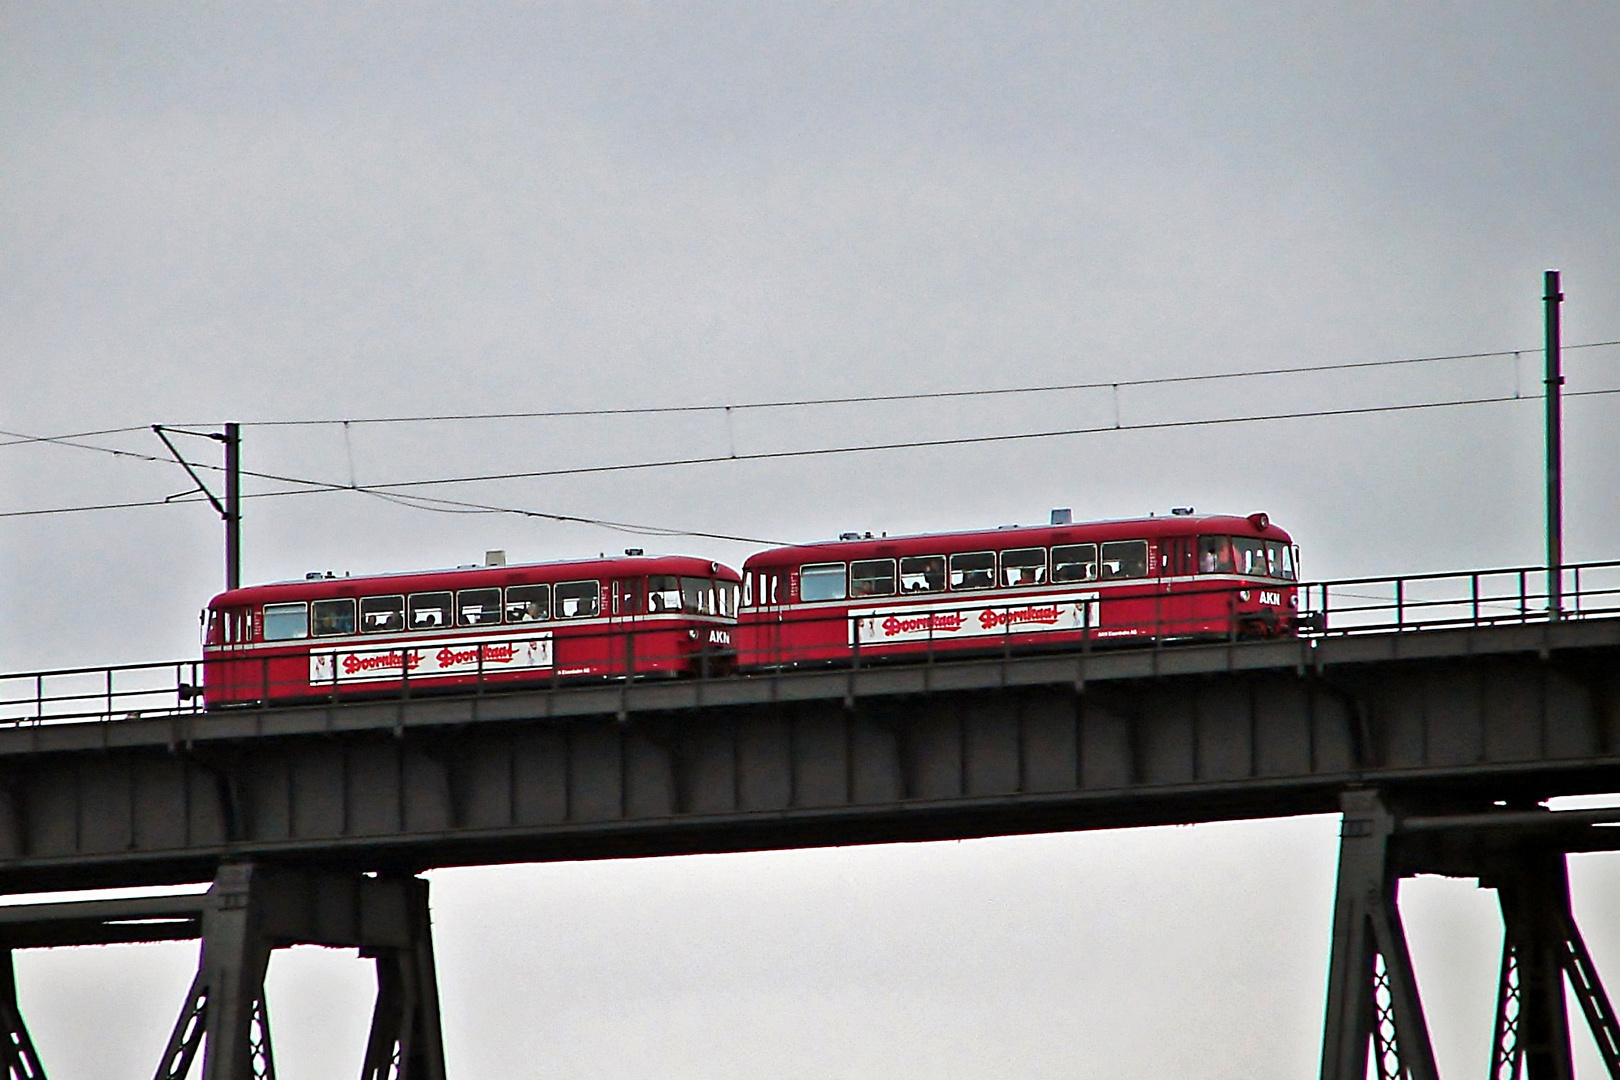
[[230, 511]]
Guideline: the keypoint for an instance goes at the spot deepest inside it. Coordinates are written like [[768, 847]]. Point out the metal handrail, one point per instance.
[[1410, 603]]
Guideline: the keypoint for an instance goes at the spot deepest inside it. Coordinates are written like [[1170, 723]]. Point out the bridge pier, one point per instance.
[[1372, 1000], [252, 910]]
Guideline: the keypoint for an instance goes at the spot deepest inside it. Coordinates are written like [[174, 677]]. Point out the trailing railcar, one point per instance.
[[1156, 579], [499, 626]]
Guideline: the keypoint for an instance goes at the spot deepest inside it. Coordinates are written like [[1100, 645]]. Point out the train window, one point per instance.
[[663, 593], [822, 581], [382, 614], [873, 577], [728, 592], [922, 573], [973, 570], [632, 592], [1124, 559], [748, 589], [697, 596], [1280, 560], [478, 607], [528, 603], [578, 599], [1023, 566], [430, 610], [237, 625], [1074, 562], [1250, 556], [332, 617], [286, 622], [1214, 555]]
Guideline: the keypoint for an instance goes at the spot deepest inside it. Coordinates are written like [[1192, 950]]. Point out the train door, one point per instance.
[[770, 592], [627, 605], [1178, 603]]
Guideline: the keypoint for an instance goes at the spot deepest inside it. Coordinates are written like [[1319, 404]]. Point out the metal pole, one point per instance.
[[1552, 297], [233, 506]]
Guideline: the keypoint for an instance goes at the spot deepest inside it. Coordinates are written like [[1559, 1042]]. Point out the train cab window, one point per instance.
[[332, 617], [765, 588], [528, 603], [382, 614], [1250, 556], [478, 607], [973, 570], [1280, 560], [430, 610], [1023, 566], [1074, 562], [1124, 559], [748, 589], [233, 626], [922, 573], [663, 593], [286, 622], [873, 577], [729, 593], [697, 596], [822, 581], [631, 596], [1214, 555], [578, 599]]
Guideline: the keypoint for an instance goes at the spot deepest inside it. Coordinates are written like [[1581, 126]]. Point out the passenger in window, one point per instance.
[[1214, 555]]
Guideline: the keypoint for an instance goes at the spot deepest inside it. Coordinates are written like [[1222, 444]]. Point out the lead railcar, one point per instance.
[[1180, 577]]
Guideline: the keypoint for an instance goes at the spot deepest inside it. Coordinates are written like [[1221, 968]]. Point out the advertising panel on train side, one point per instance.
[[952, 620], [430, 659]]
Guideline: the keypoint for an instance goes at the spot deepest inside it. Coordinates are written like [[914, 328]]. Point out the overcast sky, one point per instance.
[[269, 213]]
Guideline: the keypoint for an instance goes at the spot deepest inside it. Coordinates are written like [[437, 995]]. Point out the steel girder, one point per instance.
[[386, 787]]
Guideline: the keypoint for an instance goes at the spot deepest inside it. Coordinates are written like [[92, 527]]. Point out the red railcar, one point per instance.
[[327, 636], [1171, 578]]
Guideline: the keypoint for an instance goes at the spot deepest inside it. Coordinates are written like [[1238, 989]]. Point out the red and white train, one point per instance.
[[861, 597], [468, 628], [1162, 578]]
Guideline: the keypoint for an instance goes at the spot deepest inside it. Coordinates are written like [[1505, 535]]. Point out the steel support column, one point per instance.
[[225, 1008], [1372, 996], [17, 1055], [405, 1041], [1541, 945]]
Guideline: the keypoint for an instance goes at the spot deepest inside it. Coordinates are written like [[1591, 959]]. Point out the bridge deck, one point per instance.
[[1052, 742]]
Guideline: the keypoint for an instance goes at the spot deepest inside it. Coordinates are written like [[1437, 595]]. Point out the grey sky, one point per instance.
[[261, 212]]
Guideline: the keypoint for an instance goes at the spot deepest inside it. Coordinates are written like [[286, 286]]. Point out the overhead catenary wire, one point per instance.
[[394, 488], [927, 395], [1114, 386]]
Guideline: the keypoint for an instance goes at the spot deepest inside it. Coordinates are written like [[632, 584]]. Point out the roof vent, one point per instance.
[[314, 575], [849, 536], [633, 552], [494, 558], [1181, 511], [1065, 516]]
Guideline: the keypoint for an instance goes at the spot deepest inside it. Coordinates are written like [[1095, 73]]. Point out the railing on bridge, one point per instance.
[[1410, 603]]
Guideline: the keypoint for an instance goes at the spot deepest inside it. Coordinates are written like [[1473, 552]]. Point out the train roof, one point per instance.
[[868, 546], [472, 577]]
